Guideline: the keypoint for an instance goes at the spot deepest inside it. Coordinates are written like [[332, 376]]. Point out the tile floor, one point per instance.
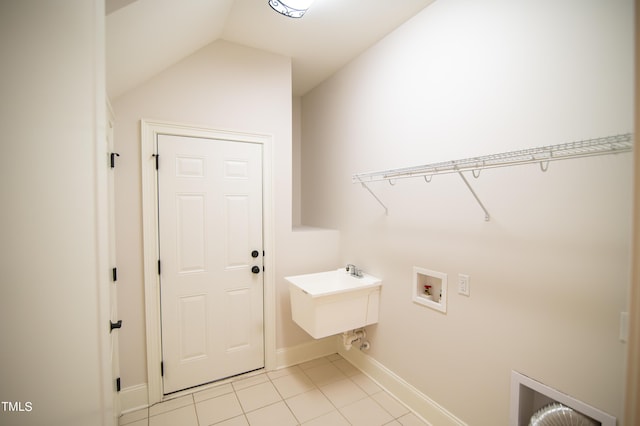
[[326, 391]]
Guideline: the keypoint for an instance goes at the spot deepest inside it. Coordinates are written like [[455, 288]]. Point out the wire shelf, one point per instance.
[[542, 155]]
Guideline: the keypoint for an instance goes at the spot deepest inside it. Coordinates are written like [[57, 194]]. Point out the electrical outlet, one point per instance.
[[463, 285]]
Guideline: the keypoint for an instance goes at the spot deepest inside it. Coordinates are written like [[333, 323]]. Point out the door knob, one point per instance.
[[255, 269], [113, 325], [255, 253]]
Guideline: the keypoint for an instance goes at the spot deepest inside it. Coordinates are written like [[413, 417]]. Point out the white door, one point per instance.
[[211, 280]]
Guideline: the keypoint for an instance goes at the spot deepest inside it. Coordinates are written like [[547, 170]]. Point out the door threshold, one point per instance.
[[210, 385]]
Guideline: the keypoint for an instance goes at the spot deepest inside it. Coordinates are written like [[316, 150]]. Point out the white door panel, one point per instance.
[[210, 220], [190, 232]]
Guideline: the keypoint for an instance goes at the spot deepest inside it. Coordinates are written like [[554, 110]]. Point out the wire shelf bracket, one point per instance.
[[616, 144], [487, 216], [365, 186]]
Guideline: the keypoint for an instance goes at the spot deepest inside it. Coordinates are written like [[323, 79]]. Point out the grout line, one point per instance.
[[282, 399], [195, 407]]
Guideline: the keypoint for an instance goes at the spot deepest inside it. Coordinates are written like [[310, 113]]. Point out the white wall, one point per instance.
[[222, 86], [52, 323], [550, 271]]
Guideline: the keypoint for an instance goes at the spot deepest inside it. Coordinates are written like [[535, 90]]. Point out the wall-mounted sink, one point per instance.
[[332, 302]]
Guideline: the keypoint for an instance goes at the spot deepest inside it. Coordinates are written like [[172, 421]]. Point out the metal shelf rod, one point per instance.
[[543, 155]]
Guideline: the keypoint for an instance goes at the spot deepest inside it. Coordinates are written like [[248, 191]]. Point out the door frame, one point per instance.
[[114, 346], [150, 129]]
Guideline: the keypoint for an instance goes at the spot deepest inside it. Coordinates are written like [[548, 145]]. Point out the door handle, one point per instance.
[[255, 269], [255, 254], [113, 325]]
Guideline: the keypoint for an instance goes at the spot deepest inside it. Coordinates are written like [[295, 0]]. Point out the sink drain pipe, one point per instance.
[[349, 338]]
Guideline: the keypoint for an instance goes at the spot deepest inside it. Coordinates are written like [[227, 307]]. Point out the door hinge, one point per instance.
[[114, 274], [114, 325], [159, 269], [162, 368], [112, 160], [118, 384], [156, 156]]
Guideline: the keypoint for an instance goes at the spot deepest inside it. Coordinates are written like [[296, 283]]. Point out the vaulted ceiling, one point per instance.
[[144, 37]]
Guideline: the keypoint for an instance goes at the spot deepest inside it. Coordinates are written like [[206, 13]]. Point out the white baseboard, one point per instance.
[[286, 357], [134, 398], [137, 397], [419, 403]]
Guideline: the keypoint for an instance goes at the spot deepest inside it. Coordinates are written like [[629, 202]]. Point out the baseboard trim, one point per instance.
[[137, 397], [286, 357], [134, 398], [430, 411]]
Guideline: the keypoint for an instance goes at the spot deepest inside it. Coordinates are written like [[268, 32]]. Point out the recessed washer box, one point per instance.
[[430, 288], [332, 302]]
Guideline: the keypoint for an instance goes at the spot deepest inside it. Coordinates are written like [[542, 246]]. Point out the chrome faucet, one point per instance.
[[355, 272]]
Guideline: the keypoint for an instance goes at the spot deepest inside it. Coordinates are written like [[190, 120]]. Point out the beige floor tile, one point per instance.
[[170, 405], [236, 421], [307, 394], [346, 367], [293, 384], [284, 372], [343, 392], [389, 403], [133, 416], [217, 409], [277, 414], [411, 420], [250, 381], [366, 412], [333, 418], [309, 405], [367, 385], [334, 357], [184, 416], [324, 374], [258, 396], [212, 392], [143, 422]]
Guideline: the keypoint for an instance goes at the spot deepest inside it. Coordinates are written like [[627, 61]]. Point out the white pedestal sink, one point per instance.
[[332, 302]]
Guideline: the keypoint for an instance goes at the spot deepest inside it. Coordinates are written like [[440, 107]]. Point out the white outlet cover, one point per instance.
[[464, 285]]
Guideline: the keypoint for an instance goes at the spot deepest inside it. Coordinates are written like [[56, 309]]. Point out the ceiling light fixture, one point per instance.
[[291, 8]]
